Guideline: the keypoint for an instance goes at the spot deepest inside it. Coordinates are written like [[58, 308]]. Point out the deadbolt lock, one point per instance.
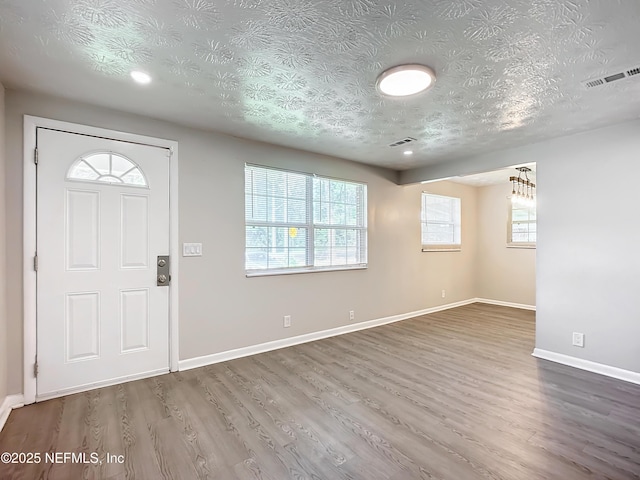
[[163, 274]]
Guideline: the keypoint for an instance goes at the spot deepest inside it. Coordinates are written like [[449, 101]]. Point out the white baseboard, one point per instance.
[[14, 401], [309, 337], [9, 403], [106, 383], [614, 372], [523, 306]]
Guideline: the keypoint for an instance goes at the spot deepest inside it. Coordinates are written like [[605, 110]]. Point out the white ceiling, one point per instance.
[[301, 73], [495, 177]]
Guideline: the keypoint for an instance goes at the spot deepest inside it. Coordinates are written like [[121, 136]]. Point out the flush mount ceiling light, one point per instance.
[[408, 152], [523, 189], [405, 80], [141, 77]]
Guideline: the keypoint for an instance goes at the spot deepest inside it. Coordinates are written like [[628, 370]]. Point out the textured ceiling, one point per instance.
[[302, 73], [496, 177]]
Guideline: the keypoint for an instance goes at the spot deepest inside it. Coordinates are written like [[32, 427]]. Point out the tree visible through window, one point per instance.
[[296, 221], [440, 222]]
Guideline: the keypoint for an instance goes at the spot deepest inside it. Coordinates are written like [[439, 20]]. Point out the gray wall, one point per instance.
[[504, 274], [588, 255], [586, 268], [3, 254], [221, 309], [588, 260]]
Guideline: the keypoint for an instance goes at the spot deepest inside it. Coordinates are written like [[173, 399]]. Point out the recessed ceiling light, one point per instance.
[[405, 80], [141, 77], [408, 152]]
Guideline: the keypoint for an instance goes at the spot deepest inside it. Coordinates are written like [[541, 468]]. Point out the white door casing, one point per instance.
[[101, 318]]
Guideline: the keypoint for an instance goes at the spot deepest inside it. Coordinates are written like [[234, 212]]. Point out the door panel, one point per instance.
[[134, 317], [82, 326], [134, 215], [101, 318], [82, 240]]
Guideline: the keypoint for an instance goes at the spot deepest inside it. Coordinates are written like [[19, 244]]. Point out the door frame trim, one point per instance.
[[31, 123]]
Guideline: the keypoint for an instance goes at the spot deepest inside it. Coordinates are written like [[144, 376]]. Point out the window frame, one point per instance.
[[440, 247], [311, 226], [510, 242]]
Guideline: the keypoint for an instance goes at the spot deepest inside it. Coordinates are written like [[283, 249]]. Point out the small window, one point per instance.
[[440, 223], [107, 167], [297, 222], [521, 227]]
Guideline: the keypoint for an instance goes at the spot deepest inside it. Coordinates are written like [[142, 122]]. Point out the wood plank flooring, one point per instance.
[[452, 395]]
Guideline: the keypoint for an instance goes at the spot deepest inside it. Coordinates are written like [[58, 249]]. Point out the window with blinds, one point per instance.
[[521, 228], [302, 222], [440, 223]]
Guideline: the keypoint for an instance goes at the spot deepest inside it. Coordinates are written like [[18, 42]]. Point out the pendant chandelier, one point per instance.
[[523, 190]]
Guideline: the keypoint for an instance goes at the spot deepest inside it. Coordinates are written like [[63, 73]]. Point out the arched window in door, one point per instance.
[[107, 167]]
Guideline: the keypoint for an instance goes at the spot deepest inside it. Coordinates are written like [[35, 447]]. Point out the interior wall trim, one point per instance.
[[522, 306], [309, 337], [9, 403], [588, 365]]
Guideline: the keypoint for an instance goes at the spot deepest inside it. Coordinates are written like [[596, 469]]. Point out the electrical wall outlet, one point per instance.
[[578, 339], [352, 315], [286, 321], [444, 293]]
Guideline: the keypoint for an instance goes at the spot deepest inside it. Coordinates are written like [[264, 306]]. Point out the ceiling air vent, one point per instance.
[[596, 82], [613, 78], [402, 142]]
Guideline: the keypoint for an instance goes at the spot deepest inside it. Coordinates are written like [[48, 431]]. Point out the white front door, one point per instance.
[[102, 221]]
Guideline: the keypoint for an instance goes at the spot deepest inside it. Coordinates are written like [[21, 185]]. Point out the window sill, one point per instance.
[[451, 249], [296, 271], [524, 245]]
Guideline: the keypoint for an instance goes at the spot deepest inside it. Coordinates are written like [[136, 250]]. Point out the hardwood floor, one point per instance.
[[452, 395]]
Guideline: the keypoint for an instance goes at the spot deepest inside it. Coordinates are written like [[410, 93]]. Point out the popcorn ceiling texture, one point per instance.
[[302, 73]]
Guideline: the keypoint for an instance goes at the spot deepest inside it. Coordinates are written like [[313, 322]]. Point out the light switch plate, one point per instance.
[[191, 249]]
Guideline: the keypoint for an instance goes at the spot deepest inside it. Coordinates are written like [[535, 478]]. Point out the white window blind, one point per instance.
[[521, 230], [302, 222], [440, 222]]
